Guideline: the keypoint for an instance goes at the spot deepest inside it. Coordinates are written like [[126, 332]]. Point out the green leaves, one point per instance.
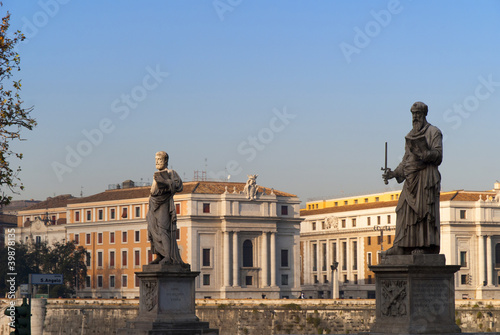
[[13, 116]]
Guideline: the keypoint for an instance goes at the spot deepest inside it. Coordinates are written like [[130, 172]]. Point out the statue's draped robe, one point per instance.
[[418, 222], [162, 216]]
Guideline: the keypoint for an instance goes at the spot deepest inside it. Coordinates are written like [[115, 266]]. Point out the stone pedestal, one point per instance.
[[415, 295], [167, 303]]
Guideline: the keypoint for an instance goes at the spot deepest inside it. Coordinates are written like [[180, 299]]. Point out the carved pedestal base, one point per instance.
[[415, 295], [167, 303]]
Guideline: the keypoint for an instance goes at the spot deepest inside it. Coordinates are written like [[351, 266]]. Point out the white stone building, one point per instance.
[[350, 235]]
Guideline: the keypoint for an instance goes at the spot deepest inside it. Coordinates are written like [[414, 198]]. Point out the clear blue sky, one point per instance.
[[345, 73]]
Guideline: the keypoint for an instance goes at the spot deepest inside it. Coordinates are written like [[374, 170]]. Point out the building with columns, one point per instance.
[[350, 233], [244, 246]]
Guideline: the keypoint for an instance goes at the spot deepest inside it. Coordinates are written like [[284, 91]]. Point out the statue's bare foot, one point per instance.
[[394, 250], [157, 260]]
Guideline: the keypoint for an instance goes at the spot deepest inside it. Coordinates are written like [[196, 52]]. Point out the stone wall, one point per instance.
[[310, 316]]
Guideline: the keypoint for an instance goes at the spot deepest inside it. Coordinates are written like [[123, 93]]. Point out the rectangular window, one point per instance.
[[137, 236], [369, 258], [87, 239], [344, 256], [124, 281], [377, 199], [124, 237], [111, 281], [463, 258], [389, 239], [463, 279], [99, 281], [343, 223], [99, 258], [111, 259], [353, 221], [378, 219], [124, 212], [206, 280], [346, 202], [463, 214], [99, 238], [38, 239], [248, 280], [137, 257], [284, 258], [138, 212], [325, 279], [150, 256], [124, 258], [355, 201], [315, 256], [346, 281], [206, 257], [313, 225], [206, 208], [379, 240], [112, 213], [369, 279], [388, 219], [284, 210], [177, 234], [336, 203], [77, 216], [88, 260], [366, 200], [284, 280], [112, 237], [89, 216], [323, 256], [87, 282], [334, 251], [177, 208], [369, 240], [355, 279], [354, 255], [316, 279], [100, 214], [77, 238], [137, 281], [369, 221]]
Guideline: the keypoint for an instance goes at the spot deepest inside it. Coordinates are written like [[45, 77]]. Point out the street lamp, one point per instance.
[[335, 290]]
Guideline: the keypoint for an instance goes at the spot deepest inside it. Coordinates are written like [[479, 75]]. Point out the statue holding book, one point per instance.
[[418, 223], [162, 216]]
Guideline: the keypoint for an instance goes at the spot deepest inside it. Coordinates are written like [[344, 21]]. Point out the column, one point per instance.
[[489, 261], [273, 259], [226, 259], [481, 269], [264, 254], [236, 268]]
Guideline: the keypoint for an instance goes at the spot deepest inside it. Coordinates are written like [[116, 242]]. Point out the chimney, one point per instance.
[[128, 184]]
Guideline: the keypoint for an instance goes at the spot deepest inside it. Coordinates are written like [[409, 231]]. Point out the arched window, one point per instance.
[[247, 253], [497, 255]]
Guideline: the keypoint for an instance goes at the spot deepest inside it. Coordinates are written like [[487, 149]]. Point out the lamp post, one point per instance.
[[335, 282]]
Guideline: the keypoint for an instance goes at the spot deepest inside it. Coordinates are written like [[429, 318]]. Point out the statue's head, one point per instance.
[[419, 107], [161, 158], [419, 112]]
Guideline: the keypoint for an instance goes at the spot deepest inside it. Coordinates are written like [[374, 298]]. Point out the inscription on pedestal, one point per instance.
[[394, 298], [431, 297], [176, 297]]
